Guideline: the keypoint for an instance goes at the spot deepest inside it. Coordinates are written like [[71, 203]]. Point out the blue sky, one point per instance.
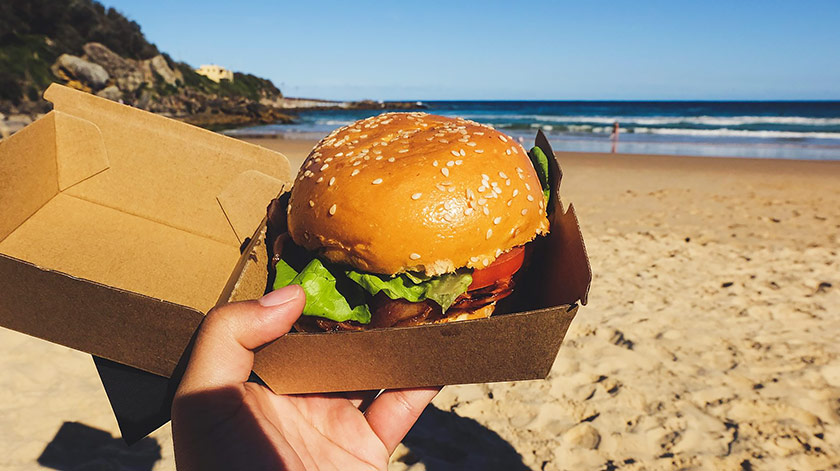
[[547, 50]]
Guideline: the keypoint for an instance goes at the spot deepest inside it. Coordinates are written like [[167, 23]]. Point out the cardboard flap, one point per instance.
[[244, 200], [164, 170], [80, 150], [564, 257], [27, 173]]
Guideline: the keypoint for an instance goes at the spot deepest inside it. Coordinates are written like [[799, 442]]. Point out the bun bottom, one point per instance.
[[480, 313]]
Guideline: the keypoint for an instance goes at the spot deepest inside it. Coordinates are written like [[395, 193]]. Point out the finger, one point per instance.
[[222, 353], [392, 414], [361, 399]]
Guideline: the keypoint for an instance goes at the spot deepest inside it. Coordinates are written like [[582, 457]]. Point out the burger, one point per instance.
[[406, 219]]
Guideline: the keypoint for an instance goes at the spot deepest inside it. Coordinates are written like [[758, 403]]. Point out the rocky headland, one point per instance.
[[97, 50]]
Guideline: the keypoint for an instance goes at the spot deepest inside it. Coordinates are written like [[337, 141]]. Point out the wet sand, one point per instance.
[[709, 342]]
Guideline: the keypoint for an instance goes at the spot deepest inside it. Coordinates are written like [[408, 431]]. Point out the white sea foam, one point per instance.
[[663, 120], [738, 133]]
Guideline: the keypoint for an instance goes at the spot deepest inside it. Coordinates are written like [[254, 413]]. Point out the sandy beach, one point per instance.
[[709, 341]]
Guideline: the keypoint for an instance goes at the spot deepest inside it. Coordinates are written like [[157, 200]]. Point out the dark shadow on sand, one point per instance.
[[445, 441], [80, 447]]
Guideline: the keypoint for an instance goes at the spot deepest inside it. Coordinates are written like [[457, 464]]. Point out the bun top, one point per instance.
[[416, 192]]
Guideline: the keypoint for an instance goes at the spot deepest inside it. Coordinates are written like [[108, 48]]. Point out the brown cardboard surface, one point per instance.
[[131, 253], [118, 211], [29, 175], [94, 318], [501, 348]]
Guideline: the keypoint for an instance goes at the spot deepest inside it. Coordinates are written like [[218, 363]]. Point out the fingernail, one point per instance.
[[279, 296]]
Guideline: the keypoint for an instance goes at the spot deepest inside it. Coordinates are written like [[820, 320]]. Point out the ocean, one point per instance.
[[807, 130]]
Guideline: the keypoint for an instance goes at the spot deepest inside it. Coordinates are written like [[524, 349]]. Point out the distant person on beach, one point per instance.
[[614, 137], [221, 421]]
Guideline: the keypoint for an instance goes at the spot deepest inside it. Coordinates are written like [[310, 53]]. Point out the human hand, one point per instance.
[[221, 421]]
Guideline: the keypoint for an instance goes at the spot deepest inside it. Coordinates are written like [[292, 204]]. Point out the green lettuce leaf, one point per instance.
[[442, 289], [446, 288], [540, 162], [395, 288], [323, 297]]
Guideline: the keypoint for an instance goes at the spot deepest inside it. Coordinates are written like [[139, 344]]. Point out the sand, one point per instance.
[[709, 341]]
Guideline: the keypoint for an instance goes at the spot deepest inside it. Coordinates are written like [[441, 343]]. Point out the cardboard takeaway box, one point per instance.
[[121, 228]]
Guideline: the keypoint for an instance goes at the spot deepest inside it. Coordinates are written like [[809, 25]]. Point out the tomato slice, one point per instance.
[[503, 267]]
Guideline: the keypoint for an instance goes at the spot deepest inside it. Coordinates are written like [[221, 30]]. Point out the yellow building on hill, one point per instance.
[[215, 72]]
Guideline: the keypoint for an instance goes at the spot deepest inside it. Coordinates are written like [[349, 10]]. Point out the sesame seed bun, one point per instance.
[[416, 192]]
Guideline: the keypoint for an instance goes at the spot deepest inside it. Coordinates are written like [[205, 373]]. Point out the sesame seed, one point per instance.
[[377, 181], [478, 133], [484, 176], [507, 151], [497, 220], [332, 180], [497, 190], [498, 252], [468, 211], [524, 211], [489, 234], [502, 138], [450, 163], [527, 186], [311, 204], [414, 256], [515, 150], [455, 153], [486, 211], [530, 198], [479, 151], [515, 192], [403, 151], [324, 167], [435, 163], [319, 180], [474, 259], [471, 144], [444, 141], [485, 262], [462, 152], [416, 196], [391, 159], [444, 171], [509, 202], [332, 209], [507, 182], [482, 201], [470, 194], [459, 162], [354, 172], [503, 175], [337, 155]]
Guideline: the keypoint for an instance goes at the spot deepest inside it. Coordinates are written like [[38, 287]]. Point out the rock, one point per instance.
[[75, 68], [159, 66], [583, 435], [127, 73], [110, 92]]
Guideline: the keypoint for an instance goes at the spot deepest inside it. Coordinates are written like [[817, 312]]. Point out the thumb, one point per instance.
[[222, 354]]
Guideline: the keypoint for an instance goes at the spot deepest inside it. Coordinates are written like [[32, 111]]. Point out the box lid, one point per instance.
[[121, 227]]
